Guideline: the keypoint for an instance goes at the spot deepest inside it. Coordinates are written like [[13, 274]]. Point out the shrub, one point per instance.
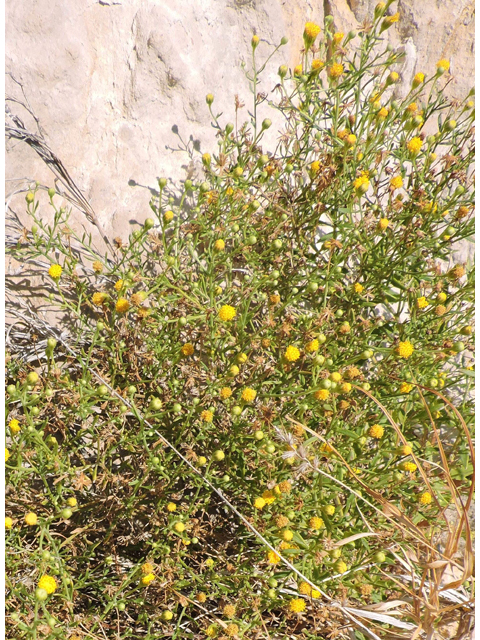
[[255, 413]]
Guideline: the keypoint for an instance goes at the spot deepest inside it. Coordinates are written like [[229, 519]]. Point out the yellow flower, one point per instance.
[[382, 114], [232, 630], [292, 354], [322, 394], [412, 108], [118, 285], [249, 395], [411, 467], [312, 346], [425, 498], [48, 583], [304, 588], [396, 182], [422, 302], [357, 287], [234, 370], [220, 245], [145, 580], [229, 611], [414, 145], [336, 70], [317, 64], [7, 454], [211, 631], [338, 37], [287, 535], [405, 387], [274, 298], [351, 139], [227, 313], [206, 158], [168, 216], [383, 224], [122, 305], [55, 271], [259, 503], [31, 519], [405, 349], [179, 527], [404, 450], [340, 566], [297, 605], [14, 426], [361, 184], [8, 523], [392, 77], [443, 64], [147, 568], [171, 506], [206, 416], [188, 349], [284, 486], [315, 594], [297, 71], [346, 387], [268, 497], [99, 298], [376, 431], [418, 79], [97, 266], [315, 166], [225, 392], [273, 558], [311, 31]]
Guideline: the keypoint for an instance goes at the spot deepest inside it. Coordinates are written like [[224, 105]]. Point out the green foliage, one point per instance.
[[292, 327]]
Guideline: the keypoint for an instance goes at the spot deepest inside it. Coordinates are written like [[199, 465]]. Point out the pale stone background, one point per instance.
[[108, 79]]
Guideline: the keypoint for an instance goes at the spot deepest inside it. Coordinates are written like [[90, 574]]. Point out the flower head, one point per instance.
[[317, 64], [122, 305], [315, 166], [396, 182], [146, 579], [99, 298], [304, 588], [312, 346], [232, 630], [188, 349], [361, 184], [425, 498], [268, 497], [292, 354], [8, 523], [322, 394], [338, 37], [31, 519], [310, 32], [220, 245], [443, 64], [225, 392], [227, 313], [259, 503], [118, 285], [414, 145], [376, 431], [357, 287], [316, 523], [405, 387], [171, 506], [383, 224], [418, 80], [229, 611], [14, 426], [405, 349], [273, 558], [206, 416], [55, 271], [297, 605], [249, 395], [336, 70], [97, 266], [48, 583], [411, 467]]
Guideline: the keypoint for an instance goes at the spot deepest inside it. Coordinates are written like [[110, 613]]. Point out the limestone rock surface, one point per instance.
[[119, 86]]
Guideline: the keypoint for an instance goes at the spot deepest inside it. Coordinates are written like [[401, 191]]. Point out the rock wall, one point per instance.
[[117, 85]]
